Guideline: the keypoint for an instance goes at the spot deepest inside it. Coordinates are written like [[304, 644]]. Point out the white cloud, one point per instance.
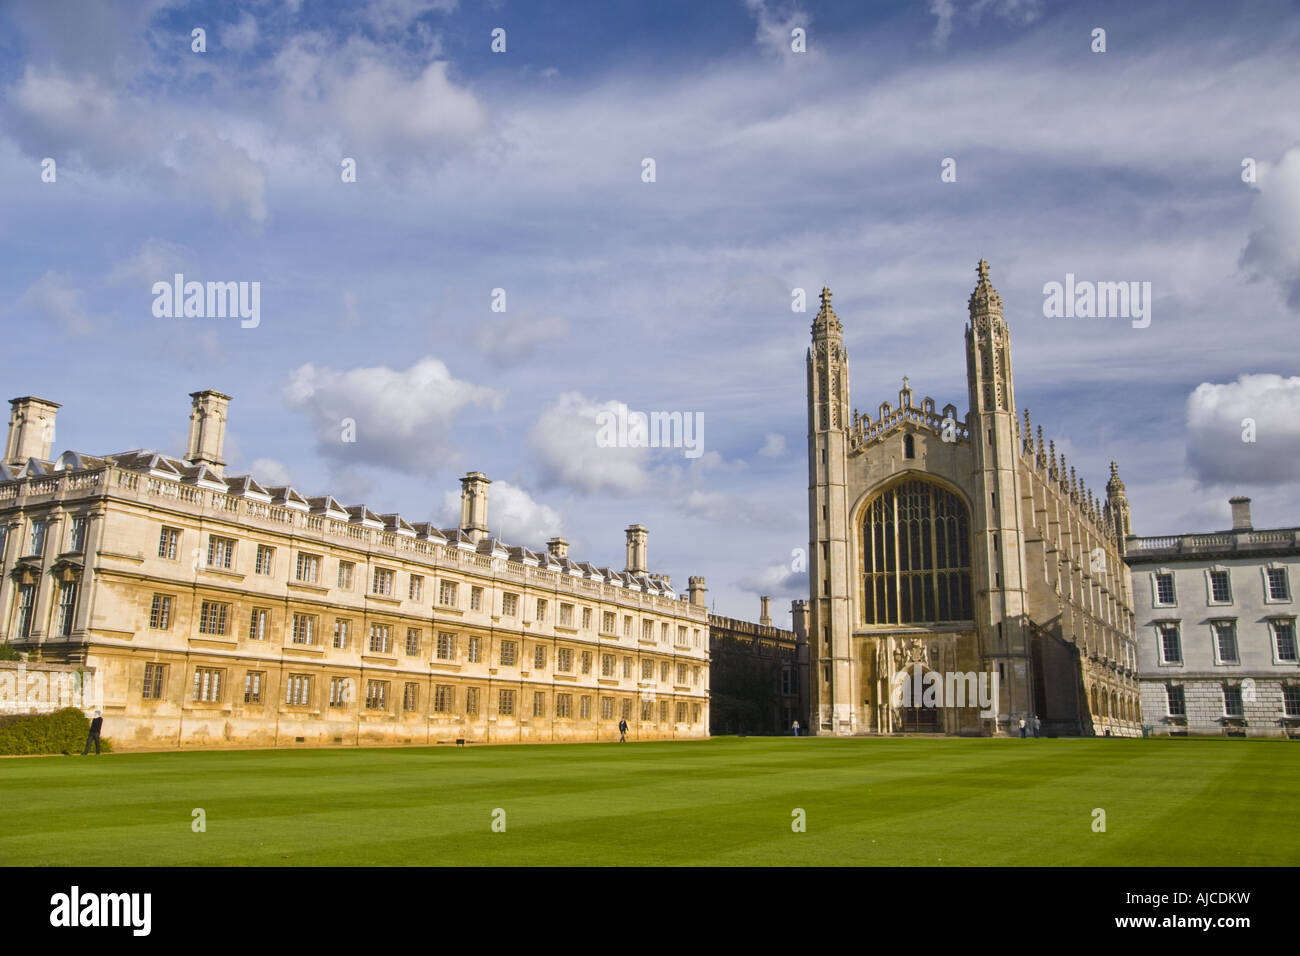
[[1273, 250], [1018, 12], [1215, 415], [513, 515], [773, 446], [776, 580], [402, 417], [157, 260], [242, 36], [509, 341], [268, 471], [564, 442], [54, 299], [773, 33]]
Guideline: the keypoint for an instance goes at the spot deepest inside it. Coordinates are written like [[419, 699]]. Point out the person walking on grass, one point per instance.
[[796, 728], [622, 731], [1022, 728], [95, 726]]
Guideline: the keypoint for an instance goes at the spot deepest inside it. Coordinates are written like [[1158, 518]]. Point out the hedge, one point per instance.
[[62, 732]]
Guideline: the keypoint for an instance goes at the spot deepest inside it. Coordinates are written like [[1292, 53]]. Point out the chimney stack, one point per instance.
[[1240, 513], [31, 430], [697, 590], [473, 505], [636, 546], [765, 618], [557, 548], [799, 619], [207, 429]]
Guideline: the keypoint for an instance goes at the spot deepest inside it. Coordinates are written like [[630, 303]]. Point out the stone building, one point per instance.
[[951, 551], [758, 673], [217, 611], [1216, 628]]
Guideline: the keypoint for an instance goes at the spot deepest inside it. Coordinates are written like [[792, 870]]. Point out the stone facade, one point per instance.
[[1216, 625], [758, 673], [219, 612], [944, 548]]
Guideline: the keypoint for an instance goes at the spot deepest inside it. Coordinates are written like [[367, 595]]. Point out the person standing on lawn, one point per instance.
[[95, 726]]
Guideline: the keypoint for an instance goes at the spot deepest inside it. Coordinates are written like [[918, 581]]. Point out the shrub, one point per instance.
[[8, 653], [62, 732]]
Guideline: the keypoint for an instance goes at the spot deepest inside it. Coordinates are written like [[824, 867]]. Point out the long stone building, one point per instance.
[[217, 611], [951, 550], [1216, 618], [758, 672]]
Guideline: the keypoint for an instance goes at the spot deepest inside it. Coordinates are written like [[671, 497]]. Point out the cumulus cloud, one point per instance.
[[402, 417], [1273, 250], [53, 298], [564, 442], [1217, 420], [773, 446], [513, 515], [268, 471], [777, 580]]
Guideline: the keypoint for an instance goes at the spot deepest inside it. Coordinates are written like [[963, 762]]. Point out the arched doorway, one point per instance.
[[915, 712]]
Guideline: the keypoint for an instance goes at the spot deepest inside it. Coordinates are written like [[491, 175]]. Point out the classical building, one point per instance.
[[216, 611], [758, 673], [952, 550], [1216, 628]]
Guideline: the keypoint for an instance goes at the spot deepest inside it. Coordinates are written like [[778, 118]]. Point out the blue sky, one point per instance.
[[774, 170]]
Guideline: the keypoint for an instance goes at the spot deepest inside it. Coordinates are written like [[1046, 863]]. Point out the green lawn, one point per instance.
[[726, 801]]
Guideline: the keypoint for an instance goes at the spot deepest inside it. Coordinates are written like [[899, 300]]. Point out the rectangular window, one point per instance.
[[681, 712], [153, 681], [564, 660], [160, 612], [382, 582], [506, 703], [1165, 596], [339, 691], [663, 671], [1220, 589], [1278, 587], [77, 536], [447, 593], [471, 701], [416, 590], [626, 709], [541, 610], [681, 675], [257, 621], [647, 669], [207, 684], [663, 711], [474, 652], [566, 615], [253, 686], [376, 695], [476, 599], [627, 667], [1171, 649], [584, 708], [586, 619], [1232, 702], [444, 698], [509, 650], [586, 662], [509, 604], [212, 617], [697, 637], [563, 705], [539, 657], [1225, 639], [681, 635], [304, 629], [221, 552], [1291, 700], [695, 713], [627, 625], [446, 649], [410, 696], [265, 560], [606, 665], [647, 710], [607, 708], [412, 642], [345, 575], [1284, 640], [607, 622], [381, 639], [169, 543], [647, 630], [307, 569], [663, 633], [342, 633], [36, 542], [297, 690]]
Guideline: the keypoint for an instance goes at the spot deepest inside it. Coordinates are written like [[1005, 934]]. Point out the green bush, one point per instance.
[[8, 653], [62, 732]]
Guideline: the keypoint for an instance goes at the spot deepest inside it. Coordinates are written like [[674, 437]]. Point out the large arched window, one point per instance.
[[915, 540]]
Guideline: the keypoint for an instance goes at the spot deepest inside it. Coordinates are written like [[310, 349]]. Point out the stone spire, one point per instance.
[[827, 320], [1053, 473], [1119, 509], [1041, 460], [988, 351], [1028, 436], [984, 301]]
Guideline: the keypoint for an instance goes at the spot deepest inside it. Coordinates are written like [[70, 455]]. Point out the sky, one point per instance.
[[516, 178]]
